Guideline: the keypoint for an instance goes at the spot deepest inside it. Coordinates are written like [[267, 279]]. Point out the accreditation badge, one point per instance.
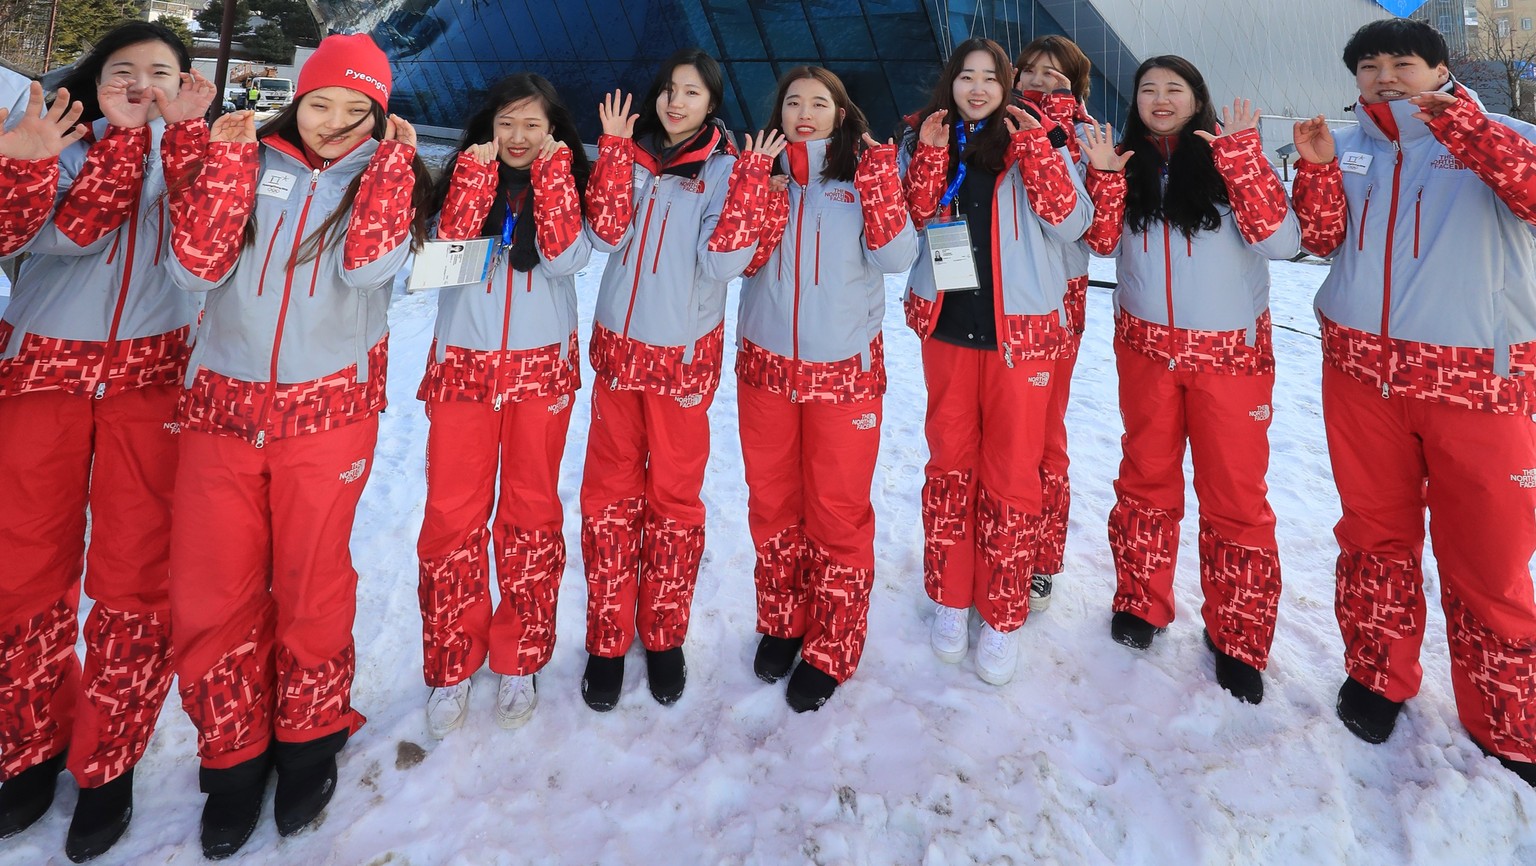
[[950, 255]]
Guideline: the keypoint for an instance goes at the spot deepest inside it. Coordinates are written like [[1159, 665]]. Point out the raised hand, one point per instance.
[[122, 105], [771, 142], [934, 131], [236, 126], [192, 100], [1059, 80], [398, 129], [39, 134], [869, 141], [1099, 147], [1240, 117], [615, 116], [549, 147], [1431, 103], [485, 154], [1314, 141], [1019, 120]]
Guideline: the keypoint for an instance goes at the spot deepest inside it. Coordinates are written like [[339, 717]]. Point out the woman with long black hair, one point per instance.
[[1193, 212]]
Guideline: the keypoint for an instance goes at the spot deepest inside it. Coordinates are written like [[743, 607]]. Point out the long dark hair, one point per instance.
[[709, 70], [81, 81], [991, 143], [1070, 60], [847, 133], [285, 125], [1192, 198]]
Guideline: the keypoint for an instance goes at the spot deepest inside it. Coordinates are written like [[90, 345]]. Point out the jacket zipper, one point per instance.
[[1418, 205], [1173, 362], [817, 274], [1386, 277], [1364, 212], [794, 394], [506, 330], [282, 310], [122, 300], [634, 289]]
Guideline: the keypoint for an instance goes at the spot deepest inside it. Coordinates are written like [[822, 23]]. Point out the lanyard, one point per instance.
[[508, 225], [954, 185]]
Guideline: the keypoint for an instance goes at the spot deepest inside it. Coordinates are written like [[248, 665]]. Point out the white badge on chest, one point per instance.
[[950, 255], [1355, 163], [276, 184]]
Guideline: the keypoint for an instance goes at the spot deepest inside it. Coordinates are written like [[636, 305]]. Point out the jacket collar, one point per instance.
[[687, 159], [1401, 112], [357, 157], [805, 161]]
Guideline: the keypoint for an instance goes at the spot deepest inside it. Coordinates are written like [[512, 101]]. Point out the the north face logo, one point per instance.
[[841, 195], [173, 427], [688, 401], [355, 472], [1448, 163], [559, 405], [1260, 414], [692, 184], [1040, 380], [1526, 479], [867, 421]]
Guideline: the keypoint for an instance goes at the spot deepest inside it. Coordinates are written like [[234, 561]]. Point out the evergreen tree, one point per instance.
[[269, 44], [82, 22], [212, 17]]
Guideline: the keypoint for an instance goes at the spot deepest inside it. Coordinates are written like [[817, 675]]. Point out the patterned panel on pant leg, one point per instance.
[[1375, 600], [1056, 501], [781, 576], [1245, 624], [231, 704], [35, 658], [945, 508], [310, 699], [1142, 541], [1007, 537], [1504, 673], [669, 570], [839, 598], [128, 673], [529, 575], [448, 585], [610, 549]]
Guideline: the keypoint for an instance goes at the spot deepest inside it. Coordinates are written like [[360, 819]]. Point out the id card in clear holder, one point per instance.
[[950, 255]]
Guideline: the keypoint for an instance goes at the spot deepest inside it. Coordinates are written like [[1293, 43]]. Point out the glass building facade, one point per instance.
[[447, 53]]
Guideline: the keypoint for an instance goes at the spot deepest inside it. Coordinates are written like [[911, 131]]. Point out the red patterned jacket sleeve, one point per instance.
[[926, 181], [1051, 193], [775, 220], [1107, 189], [1256, 195], [1062, 107], [28, 187], [557, 207], [611, 189], [382, 211], [105, 189], [182, 149], [879, 185], [1503, 158], [747, 203], [471, 191], [206, 237], [1318, 196]]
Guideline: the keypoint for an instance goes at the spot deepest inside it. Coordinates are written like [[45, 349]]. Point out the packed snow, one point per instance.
[[1095, 753]]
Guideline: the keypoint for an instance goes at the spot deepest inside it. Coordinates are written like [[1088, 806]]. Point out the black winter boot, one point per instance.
[[306, 779], [1131, 630], [667, 673], [101, 817], [775, 656], [809, 688], [602, 683], [1368, 715], [233, 806], [1524, 769], [1242, 680], [26, 796]]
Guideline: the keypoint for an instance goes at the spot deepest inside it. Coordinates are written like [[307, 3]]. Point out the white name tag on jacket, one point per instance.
[[442, 264], [1355, 163], [276, 184], [950, 255]]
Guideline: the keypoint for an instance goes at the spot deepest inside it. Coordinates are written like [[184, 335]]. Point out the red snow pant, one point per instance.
[[985, 427], [809, 467], [59, 454], [263, 592], [1476, 473], [1225, 419], [465, 442], [1055, 488], [642, 522]]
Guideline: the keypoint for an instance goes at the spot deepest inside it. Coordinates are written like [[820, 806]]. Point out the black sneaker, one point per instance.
[[26, 796], [775, 656], [1242, 680], [1368, 715], [302, 792], [234, 805], [1131, 630], [1524, 769], [809, 688], [602, 683], [1040, 591], [667, 673], [101, 816]]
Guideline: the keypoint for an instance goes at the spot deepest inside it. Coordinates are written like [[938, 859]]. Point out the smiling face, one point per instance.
[[1165, 101], [1386, 77], [144, 65], [333, 120], [978, 90], [684, 104], [521, 128], [809, 112]]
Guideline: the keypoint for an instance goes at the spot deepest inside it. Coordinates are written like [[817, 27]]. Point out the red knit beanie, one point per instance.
[[352, 61]]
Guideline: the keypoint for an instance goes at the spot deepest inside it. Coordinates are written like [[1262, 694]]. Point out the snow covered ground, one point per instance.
[[1094, 754]]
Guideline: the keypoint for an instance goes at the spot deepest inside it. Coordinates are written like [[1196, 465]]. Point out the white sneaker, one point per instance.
[[1040, 591], [997, 655], [950, 634], [446, 708], [515, 699]]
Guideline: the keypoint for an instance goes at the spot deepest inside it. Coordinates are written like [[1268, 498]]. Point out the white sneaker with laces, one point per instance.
[[446, 708], [997, 655], [515, 699], [1040, 591], [950, 633]]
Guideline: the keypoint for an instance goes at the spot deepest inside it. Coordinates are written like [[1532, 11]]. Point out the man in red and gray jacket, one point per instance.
[[1429, 383]]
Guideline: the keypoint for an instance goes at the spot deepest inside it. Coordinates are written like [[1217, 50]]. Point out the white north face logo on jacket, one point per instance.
[[355, 472], [559, 405], [867, 421], [688, 401], [1526, 479], [1260, 414], [1040, 380]]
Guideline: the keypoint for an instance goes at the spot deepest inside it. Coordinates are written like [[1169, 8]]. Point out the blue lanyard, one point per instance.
[[954, 185], [508, 223]]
